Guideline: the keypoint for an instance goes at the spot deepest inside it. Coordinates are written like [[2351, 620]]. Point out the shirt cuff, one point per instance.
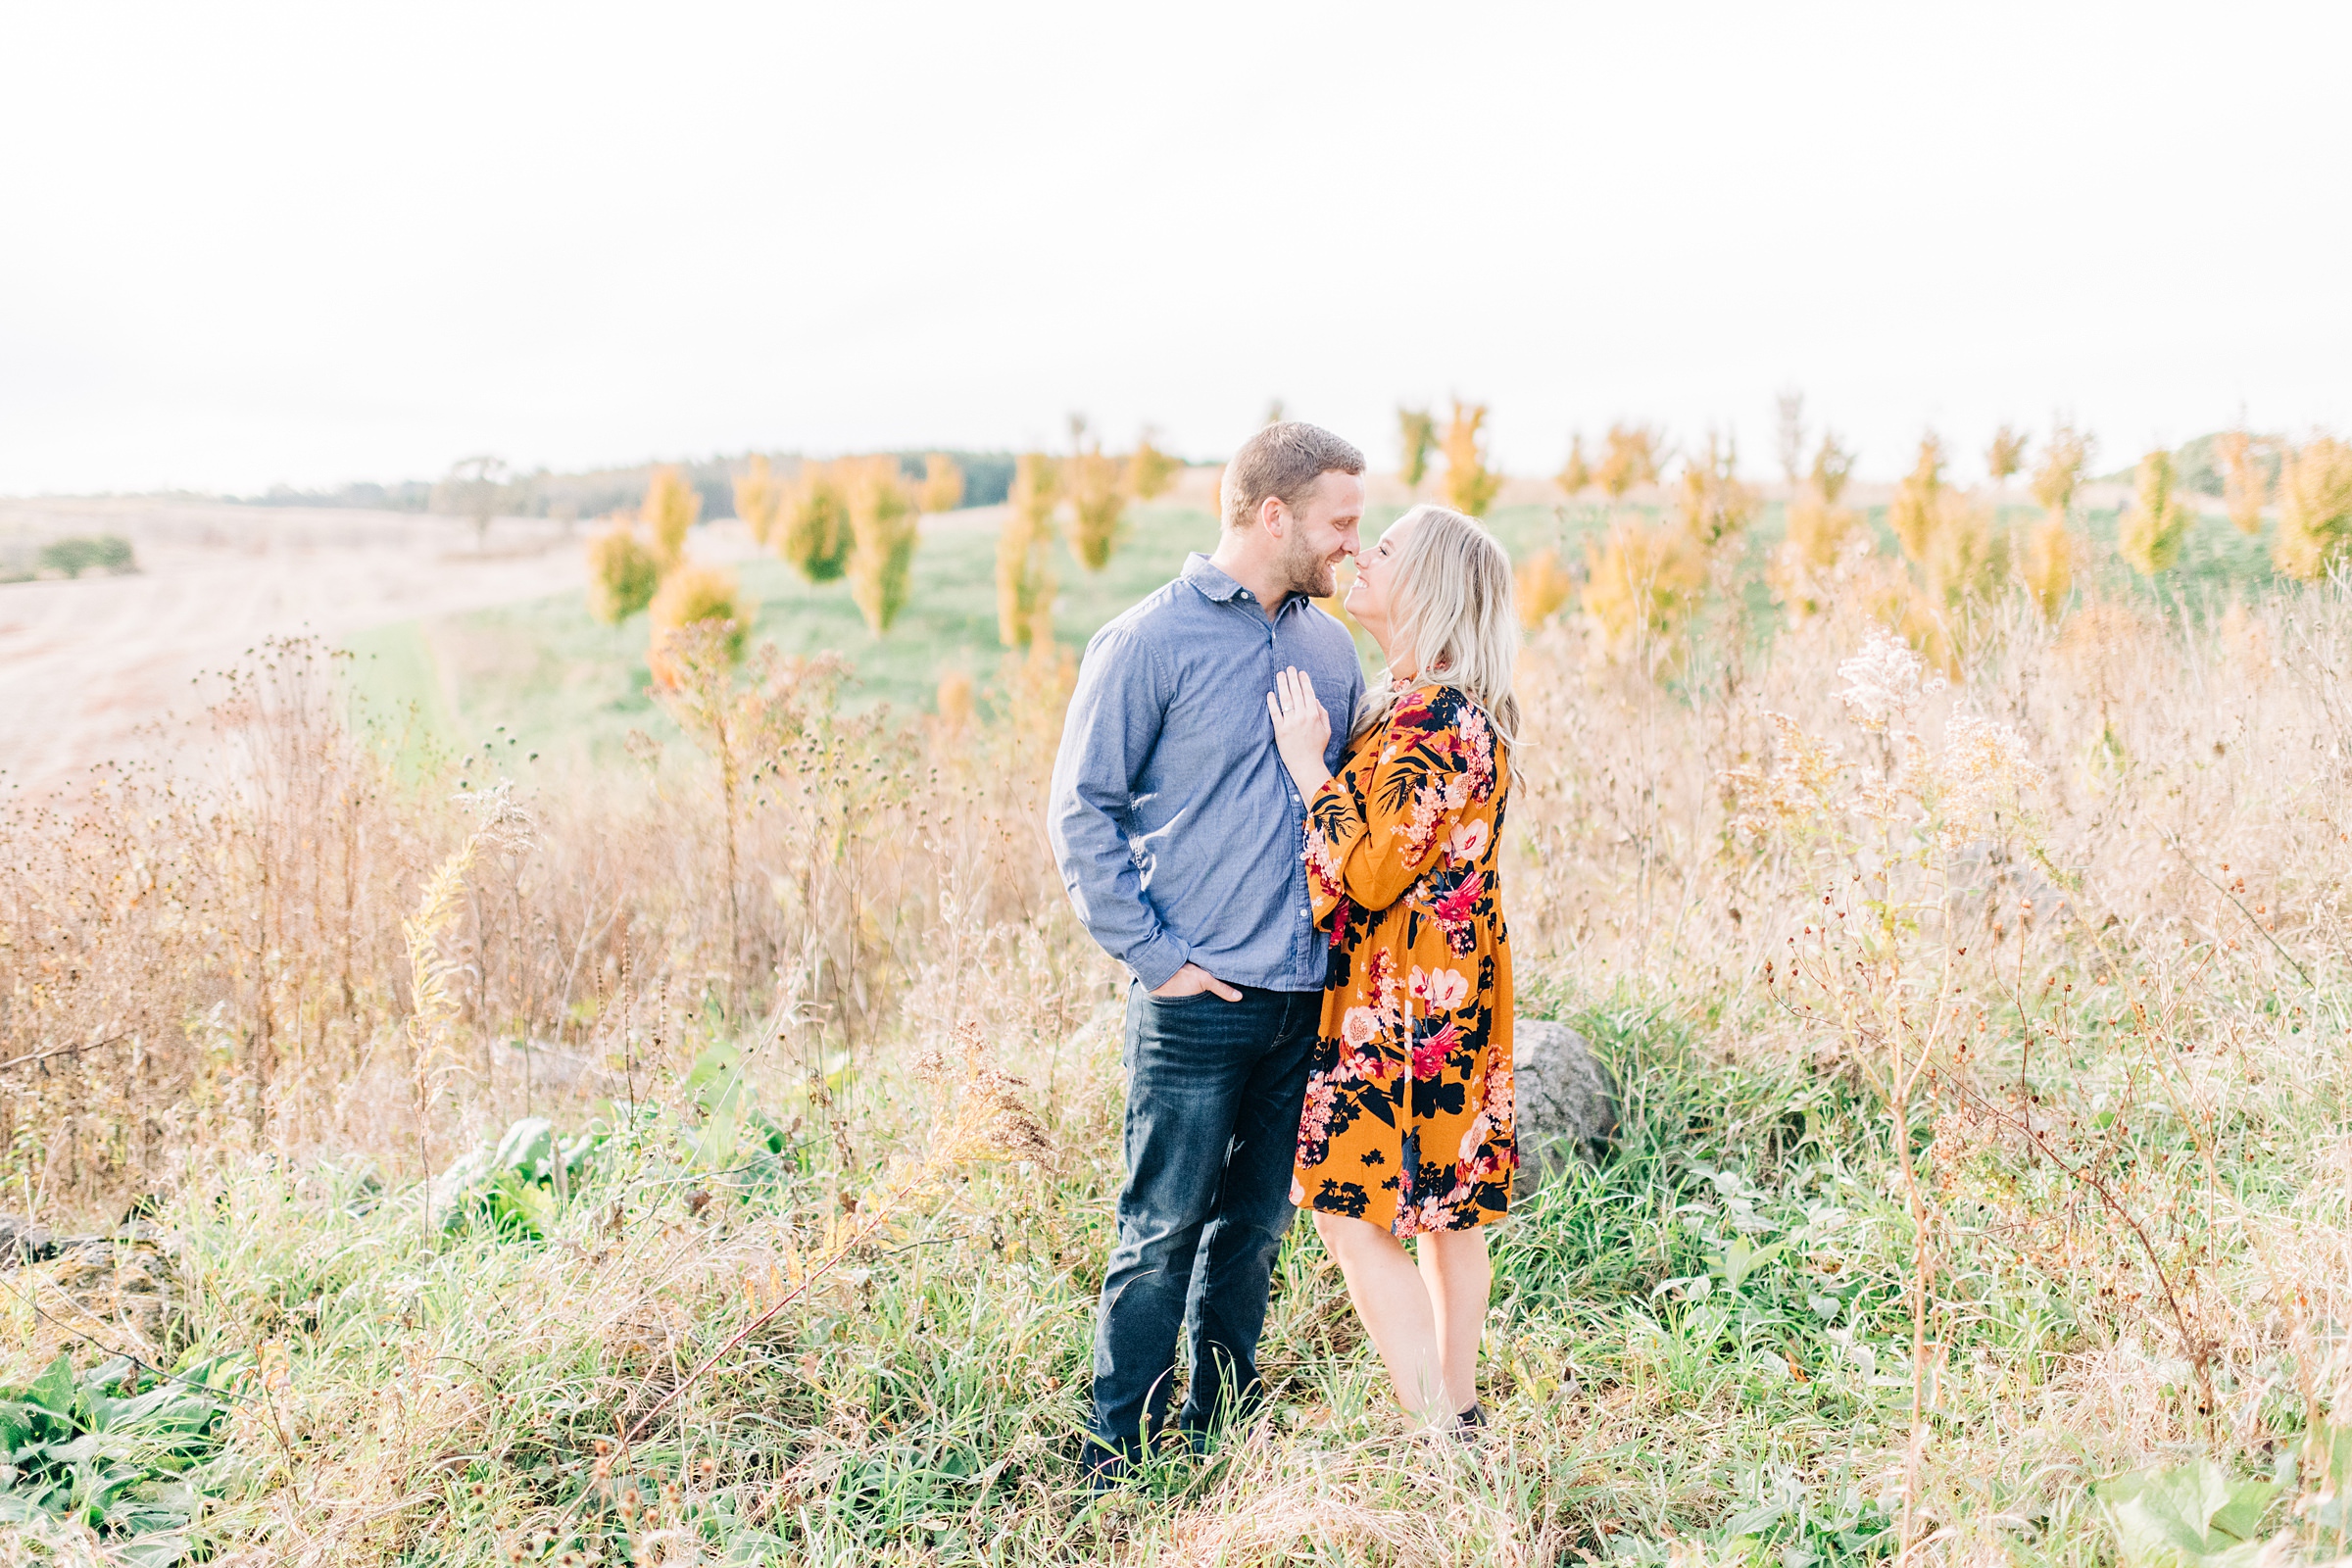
[[1157, 962]]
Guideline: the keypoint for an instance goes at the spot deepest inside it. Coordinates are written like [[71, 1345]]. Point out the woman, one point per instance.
[[1407, 1130]]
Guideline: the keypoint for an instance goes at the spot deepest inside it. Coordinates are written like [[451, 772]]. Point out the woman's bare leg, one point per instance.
[[1455, 1273], [1395, 1307]]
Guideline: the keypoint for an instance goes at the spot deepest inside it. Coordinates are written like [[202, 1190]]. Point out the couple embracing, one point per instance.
[[1300, 876]]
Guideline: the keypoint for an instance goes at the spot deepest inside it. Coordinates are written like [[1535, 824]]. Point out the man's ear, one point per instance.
[[1273, 516]]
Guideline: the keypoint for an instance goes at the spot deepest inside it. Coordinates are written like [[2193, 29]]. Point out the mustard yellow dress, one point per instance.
[[1408, 1105]]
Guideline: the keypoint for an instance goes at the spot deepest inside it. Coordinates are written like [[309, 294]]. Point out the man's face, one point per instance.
[[1322, 533]]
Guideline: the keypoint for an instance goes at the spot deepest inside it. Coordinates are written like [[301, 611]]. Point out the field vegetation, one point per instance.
[[706, 1154]]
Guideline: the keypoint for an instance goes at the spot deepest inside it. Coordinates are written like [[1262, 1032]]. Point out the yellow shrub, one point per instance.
[[2048, 568], [1470, 485], [1576, 475], [2060, 468], [943, 483], [1645, 580], [1631, 459], [692, 594], [1416, 432], [1919, 502], [672, 507], [2006, 455], [815, 536], [883, 524], [1543, 586], [2315, 509], [758, 498], [1816, 530], [622, 573], [1097, 504], [2245, 487], [1150, 471], [1024, 581], [1712, 503], [2157, 521]]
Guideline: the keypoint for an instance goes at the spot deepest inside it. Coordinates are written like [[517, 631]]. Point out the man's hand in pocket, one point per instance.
[[1190, 981]]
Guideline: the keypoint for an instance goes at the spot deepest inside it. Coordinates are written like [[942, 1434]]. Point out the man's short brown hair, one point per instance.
[[1283, 461]]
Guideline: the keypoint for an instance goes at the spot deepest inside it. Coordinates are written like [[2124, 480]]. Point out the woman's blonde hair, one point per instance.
[[1451, 611]]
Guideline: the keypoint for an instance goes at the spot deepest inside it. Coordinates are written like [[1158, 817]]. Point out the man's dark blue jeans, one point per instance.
[[1213, 1096]]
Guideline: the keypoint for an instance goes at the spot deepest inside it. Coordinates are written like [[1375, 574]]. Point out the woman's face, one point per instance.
[[1372, 597]]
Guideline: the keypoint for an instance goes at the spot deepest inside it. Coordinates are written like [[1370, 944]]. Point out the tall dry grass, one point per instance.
[[1985, 1037]]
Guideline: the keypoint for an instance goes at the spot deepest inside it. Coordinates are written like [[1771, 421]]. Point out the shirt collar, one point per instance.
[[1214, 583]]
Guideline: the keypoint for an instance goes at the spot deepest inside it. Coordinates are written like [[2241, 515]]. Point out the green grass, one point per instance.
[[566, 686]]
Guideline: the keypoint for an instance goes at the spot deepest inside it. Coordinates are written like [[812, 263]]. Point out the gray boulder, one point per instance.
[[1567, 1101]]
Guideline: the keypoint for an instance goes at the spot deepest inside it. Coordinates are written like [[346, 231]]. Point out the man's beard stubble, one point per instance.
[[1306, 572]]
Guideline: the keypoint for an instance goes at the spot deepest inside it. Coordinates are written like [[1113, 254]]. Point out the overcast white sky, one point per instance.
[[247, 244]]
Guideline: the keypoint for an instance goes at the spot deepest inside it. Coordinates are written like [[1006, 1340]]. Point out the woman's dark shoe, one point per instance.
[[1471, 1425]]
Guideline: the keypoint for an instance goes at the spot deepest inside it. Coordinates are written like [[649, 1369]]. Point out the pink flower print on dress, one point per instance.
[[1430, 1055], [1456, 907], [1358, 1026], [1440, 990], [1468, 841]]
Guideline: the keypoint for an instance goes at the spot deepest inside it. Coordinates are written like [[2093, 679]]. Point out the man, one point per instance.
[[1179, 834]]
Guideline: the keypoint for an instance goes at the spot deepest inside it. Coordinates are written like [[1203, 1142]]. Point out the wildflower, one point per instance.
[[1885, 681]]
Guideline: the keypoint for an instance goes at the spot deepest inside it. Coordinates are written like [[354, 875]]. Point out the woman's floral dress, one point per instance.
[[1408, 1109]]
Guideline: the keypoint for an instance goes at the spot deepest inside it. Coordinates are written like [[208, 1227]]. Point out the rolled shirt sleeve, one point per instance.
[[1114, 723]]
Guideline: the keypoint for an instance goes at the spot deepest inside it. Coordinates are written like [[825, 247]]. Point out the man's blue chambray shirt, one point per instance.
[[1177, 828]]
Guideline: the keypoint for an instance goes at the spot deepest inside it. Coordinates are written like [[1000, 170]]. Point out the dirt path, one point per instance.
[[90, 669]]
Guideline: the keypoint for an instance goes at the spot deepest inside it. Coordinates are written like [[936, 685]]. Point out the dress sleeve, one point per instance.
[[1376, 827]]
